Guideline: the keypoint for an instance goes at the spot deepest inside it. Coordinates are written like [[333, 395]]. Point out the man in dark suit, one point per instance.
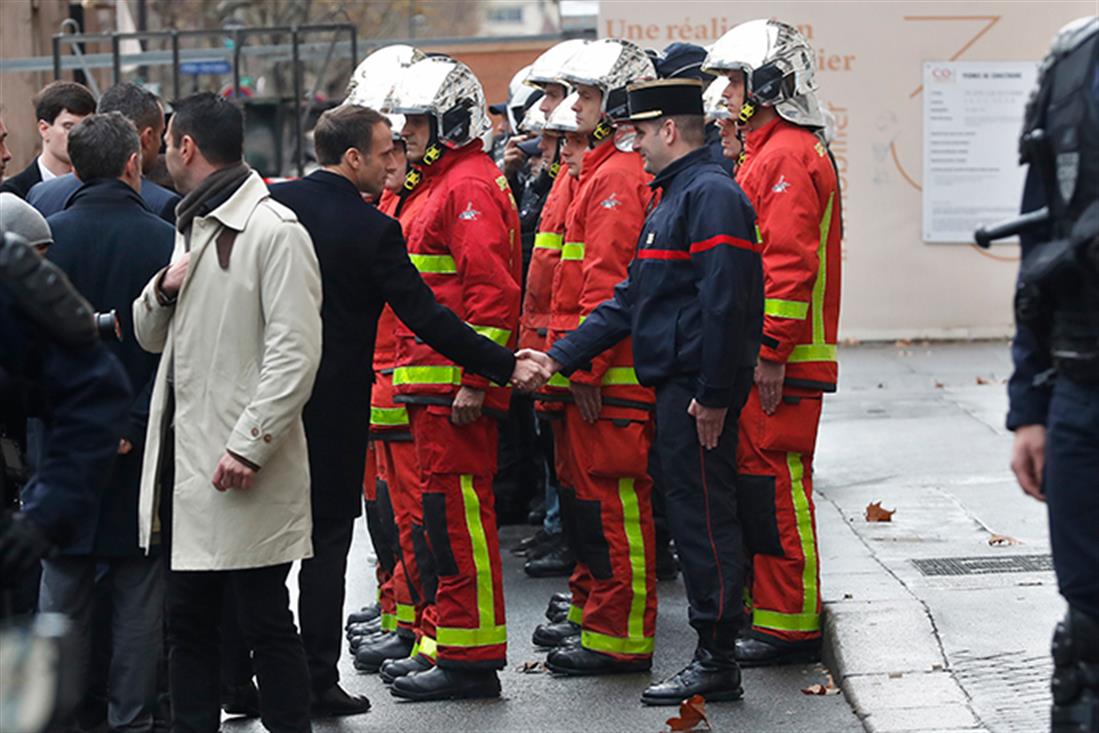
[[363, 265], [110, 244], [141, 107], [59, 106]]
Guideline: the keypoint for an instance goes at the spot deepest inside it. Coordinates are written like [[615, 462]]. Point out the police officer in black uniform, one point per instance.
[[693, 304], [1054, 391]]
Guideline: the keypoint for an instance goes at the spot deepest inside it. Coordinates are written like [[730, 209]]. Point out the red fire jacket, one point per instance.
[[548, 243]]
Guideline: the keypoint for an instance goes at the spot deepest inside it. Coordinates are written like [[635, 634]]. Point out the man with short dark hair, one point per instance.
[[142, 108], [364, 265], [237, 318], [59, 106], [110, 244]]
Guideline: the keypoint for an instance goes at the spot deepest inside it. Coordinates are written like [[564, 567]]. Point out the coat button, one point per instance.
[[267, 438], [255, 432]]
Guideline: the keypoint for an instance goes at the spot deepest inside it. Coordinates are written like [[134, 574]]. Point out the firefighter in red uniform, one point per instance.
[[790, 177], [464, 240], [607, 416]]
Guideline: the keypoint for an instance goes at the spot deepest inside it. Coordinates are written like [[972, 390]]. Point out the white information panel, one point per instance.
[[972, 116]]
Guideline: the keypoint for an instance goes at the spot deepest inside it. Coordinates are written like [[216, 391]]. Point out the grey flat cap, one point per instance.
[[16, 215]]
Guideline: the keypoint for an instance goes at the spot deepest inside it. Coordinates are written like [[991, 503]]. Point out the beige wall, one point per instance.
[[870, 57]]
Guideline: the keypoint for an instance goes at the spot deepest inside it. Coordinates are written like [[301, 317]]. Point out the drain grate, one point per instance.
[[984, 565]]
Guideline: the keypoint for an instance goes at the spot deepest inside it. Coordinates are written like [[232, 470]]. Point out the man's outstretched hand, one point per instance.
[[533, 369]]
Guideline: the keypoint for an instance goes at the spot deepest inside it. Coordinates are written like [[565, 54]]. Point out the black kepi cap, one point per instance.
[[649, 100]]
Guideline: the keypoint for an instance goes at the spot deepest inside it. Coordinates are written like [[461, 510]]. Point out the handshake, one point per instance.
[[532, 370]]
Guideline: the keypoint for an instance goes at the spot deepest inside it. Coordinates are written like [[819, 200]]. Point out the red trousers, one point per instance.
[[402, 475], [375, 471], [607, 509], [464, 622], [775, 494]]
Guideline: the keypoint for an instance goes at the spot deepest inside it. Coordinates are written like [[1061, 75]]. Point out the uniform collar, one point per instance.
[[665, 178], [328, 178], [756, 139], [237, 209], [449, 158], [597, 156], [103, 190]]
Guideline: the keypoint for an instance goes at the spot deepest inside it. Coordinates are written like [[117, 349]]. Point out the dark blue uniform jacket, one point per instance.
[[693, 301], [52, 196]]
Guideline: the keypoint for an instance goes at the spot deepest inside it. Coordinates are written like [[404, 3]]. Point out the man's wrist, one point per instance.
[[162, 295]]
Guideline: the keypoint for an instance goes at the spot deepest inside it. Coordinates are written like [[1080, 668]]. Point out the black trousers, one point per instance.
[[194, 605], [320, 598], [701, 504]]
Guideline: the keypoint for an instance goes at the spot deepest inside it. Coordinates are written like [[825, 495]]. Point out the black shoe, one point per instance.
[[555, 635], [578, 662], [366, 613], [355, 643], [667, 568], [565, 598], [393, 646], [394, 668], [537, 514], [446, 684], [558, 562], [364, 629], [557, 611], [752, 651], [335, 702], [241, 700], [526, 544], [715, 679]]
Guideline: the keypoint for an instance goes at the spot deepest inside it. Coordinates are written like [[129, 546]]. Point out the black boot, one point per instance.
[[527, 544], [393, 668], [447, 684], [667, 568], [335, 702], [713, 677], [1075, 682], [579, 662], [555, 635], [393, 646], [755, 650], [241, 700], [366, 613], [355, 643], [364, 629], [565, 597], [557, 562]]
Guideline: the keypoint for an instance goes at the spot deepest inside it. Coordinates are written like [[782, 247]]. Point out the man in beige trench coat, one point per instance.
[[225, 482]]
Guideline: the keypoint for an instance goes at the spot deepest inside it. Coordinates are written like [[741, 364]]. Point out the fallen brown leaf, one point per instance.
[[532, 667], [982, 380], [828, 688], [850, 342], [692, 713], [903, 343], [875, 513], [939, 385], [999, 540]]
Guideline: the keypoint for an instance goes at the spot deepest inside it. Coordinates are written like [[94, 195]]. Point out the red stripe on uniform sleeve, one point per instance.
[[712, 242], [663, 254]]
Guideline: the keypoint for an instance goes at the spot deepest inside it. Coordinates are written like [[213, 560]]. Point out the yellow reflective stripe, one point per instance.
[[614, 644], [559, 380], [389, 622], [631, 520], [575, 614], [499, 335], [785, 621], [822, 273], [620, 375], [759, 236], [427, 375], [488, 632], [428, 647], [406, 614], [785, 308], [549, 240], [573, 251], [388, 416], [437, 264], [415, 649], [486, 636], [805, 532], [581, 320], [812, 352]]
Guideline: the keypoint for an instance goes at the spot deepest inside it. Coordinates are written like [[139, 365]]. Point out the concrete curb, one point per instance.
[[880, 640]]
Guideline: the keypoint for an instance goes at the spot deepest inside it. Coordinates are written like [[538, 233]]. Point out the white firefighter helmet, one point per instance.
[[713, 104], [778, 65], [562, 119], [447, 91], [520, 98], [533, 121], [373, 79], [548, 68], [610, 65]]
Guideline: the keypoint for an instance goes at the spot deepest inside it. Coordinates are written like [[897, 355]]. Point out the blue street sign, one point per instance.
[[198, 68]]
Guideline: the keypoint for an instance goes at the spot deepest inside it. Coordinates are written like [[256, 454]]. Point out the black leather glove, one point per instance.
[[22, 544]]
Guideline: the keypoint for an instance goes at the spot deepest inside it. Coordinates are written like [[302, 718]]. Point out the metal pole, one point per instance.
[[299, 130], [175, 64], [116, 59], [57, 57], [237, 35]]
